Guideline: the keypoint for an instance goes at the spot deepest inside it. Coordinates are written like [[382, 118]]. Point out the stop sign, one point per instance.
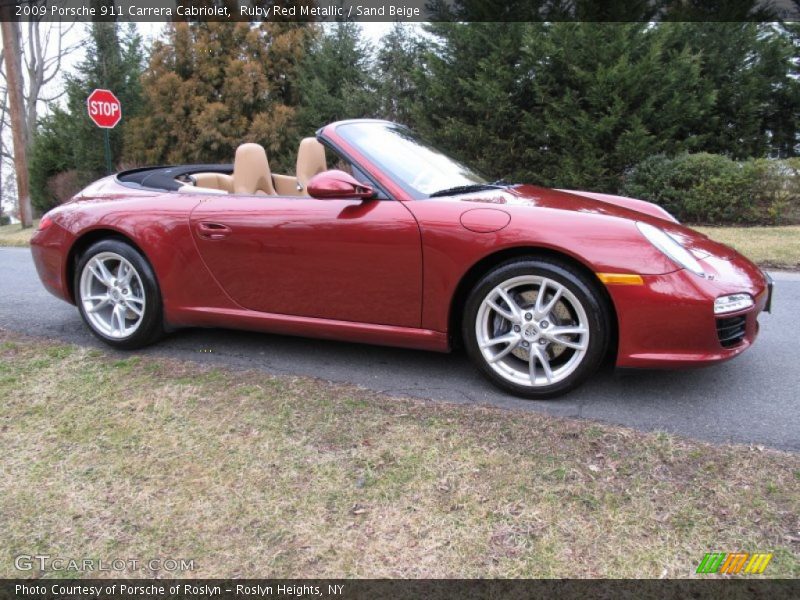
[[104, 108]]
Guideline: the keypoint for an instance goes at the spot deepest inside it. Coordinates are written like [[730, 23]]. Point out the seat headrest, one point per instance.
[[310, 161], [251, 172]]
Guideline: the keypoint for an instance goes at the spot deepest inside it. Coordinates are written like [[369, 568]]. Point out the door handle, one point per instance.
[[213, 231]]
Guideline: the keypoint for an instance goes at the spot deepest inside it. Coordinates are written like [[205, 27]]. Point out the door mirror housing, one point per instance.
[[338, 185]]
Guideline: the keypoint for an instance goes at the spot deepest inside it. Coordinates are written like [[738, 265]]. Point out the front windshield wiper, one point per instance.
[[474, 187]]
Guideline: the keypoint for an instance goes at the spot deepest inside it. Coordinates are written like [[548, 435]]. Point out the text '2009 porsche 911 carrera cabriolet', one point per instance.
[[381, 238]]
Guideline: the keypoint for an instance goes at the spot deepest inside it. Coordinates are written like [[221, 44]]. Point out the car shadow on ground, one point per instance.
[[426, 374]]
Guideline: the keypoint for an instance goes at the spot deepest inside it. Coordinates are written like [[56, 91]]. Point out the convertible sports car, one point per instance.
[[381, 238]]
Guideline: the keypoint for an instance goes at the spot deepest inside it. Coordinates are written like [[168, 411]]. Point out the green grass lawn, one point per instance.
[[252, 475], [15, 235], [777, 247]]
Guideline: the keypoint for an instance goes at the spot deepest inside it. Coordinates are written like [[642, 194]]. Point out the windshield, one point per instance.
[[415, 165]]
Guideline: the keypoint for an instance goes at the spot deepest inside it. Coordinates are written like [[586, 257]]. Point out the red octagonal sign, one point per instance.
[[104, 108]]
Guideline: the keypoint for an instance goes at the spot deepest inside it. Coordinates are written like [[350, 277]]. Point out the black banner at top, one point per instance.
[[401, 10]]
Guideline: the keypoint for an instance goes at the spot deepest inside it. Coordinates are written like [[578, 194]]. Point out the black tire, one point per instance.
[[151, 326], [582, 288]]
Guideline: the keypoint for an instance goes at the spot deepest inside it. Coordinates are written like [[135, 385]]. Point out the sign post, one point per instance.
[[106, 112]]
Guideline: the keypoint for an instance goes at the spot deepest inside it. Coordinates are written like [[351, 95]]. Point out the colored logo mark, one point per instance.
[[733, 563]]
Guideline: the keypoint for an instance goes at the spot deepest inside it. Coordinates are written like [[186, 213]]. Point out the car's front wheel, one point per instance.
[[536, 328], [117, 295]]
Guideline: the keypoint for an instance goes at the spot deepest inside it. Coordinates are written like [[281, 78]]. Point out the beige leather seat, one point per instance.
[[310, 161], [251, 174], [218, 181]]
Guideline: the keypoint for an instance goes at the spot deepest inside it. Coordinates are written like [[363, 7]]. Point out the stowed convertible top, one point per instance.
[[165, 178]]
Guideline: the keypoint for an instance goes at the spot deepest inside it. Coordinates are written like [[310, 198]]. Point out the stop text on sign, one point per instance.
[[98, 108], [104, 108]]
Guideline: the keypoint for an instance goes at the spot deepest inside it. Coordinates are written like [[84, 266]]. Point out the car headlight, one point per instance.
[[671, 248], [732, 303]]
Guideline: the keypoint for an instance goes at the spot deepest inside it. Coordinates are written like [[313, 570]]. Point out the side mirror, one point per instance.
[[337, 185]]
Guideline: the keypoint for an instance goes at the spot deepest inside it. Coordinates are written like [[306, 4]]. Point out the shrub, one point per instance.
[[49, 155], [713, 189], [63, 186], [785, 189]]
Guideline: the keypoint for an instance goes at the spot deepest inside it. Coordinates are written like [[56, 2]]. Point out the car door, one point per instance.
[[349, 260]]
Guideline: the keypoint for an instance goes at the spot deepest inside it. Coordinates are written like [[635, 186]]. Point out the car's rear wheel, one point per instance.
[[536, 328], [117, 295]]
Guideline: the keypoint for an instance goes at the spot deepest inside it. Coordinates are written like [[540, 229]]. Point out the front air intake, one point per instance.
[[731, 330]]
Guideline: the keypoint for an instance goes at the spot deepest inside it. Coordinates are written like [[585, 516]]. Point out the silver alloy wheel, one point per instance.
[[532, 331], [112, 295]]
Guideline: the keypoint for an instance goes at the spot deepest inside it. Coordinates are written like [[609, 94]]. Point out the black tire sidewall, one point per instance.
[[151, 326], [584, 290]]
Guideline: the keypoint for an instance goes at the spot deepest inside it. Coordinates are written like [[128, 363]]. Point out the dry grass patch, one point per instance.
[[15, 235], [251, 475], [776, 247]]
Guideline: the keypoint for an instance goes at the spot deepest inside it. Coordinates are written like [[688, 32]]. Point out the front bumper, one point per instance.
[[669, 321], [770, 288]]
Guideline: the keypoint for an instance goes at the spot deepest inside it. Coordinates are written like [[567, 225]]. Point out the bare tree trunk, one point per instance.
[[13, 60], [43, 59], [3, 111], [35, 69]]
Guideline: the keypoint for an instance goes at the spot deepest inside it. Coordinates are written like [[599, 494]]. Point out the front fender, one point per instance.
[[601, 243]]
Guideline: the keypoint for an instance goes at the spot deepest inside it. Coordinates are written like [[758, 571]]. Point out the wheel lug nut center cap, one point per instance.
[[530, 332]]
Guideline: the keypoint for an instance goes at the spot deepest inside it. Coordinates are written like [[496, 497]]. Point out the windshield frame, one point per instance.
[[402, 190]]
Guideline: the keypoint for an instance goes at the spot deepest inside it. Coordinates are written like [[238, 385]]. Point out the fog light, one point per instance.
[[732, 303]]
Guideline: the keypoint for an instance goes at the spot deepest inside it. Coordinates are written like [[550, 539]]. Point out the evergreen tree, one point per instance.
[[604, 97], [568, 104], [472, 97], [782, 58], [114, 61], [52, 153], [212, 86], [747, 66], [577, 104], [337, 82], [397, 74]]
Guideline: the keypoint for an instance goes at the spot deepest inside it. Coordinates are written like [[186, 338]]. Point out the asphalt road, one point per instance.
[[753, 399]]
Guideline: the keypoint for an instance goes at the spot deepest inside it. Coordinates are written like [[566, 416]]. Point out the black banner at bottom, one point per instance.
[[348, 589]]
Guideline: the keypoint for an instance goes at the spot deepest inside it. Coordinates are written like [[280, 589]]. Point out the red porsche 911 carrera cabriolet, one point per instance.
[[381, 238]]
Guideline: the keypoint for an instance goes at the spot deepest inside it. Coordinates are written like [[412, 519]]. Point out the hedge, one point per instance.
[[716, 190]]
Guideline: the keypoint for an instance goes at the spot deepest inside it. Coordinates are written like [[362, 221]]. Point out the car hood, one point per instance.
[[601, 204]]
